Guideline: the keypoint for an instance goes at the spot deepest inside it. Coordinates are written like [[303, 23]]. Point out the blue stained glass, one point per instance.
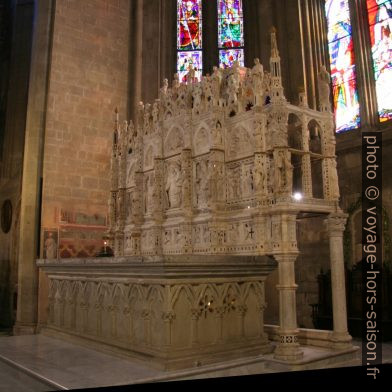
[[230, 32], [185, 60], [227, 57], [380, 28]]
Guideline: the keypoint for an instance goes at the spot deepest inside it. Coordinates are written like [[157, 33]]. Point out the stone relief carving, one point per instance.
[[213, 151], [257, 76], [173, 186], [283, 172], [324, 89]]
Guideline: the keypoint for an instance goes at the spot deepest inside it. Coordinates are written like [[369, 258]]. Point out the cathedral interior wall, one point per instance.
[[88, 80]]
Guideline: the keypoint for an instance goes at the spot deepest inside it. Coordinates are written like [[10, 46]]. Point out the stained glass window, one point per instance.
[[380, 26], [343, 72], [230, 32], [189, 37]]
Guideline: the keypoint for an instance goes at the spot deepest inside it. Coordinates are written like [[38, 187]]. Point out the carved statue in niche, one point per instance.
[[259, 177], [218, 134], [196, 96], [283, 173], [247, 181], [247, 90], [234, 183], [176, 82], [257, 80], [324, 89], [173, 188], [233, 84], [202, 183], [216, 79], [50, 246], [207, 89], [163, 91], [191, 75]]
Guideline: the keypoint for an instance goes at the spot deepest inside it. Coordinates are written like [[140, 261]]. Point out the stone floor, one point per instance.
[[42, 363]]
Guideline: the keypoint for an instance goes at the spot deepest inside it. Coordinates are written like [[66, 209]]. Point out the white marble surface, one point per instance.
[[67, 366], [15, 380]]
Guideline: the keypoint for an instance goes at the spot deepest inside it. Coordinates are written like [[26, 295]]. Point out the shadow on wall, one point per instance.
[[313, 258]]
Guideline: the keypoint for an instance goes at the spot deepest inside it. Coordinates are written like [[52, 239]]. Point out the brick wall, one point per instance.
[[88, 79]]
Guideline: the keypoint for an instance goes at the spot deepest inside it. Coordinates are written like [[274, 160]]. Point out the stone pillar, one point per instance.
[[307, 176], [288, 347], [136, 65], [27, 307], [336, 223]]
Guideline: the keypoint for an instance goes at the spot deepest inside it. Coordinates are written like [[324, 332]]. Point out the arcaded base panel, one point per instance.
[[176, 312]]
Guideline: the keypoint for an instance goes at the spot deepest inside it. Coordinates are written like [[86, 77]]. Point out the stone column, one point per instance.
[[307, 175], [288, 347], [136, 66], [27, 307], [336, 223]]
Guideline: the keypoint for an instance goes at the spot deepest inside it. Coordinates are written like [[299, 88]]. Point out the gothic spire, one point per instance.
[[275, 69]]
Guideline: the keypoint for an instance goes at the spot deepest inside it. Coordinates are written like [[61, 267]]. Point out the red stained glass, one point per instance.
[[380, 28]]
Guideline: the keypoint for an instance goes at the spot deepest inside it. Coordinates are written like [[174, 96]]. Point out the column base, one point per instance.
[[285, 352], [341, 340], [288, 349], [24, 328]]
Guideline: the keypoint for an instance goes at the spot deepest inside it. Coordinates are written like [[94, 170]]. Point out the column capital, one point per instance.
[[336, 223], [286, 257]]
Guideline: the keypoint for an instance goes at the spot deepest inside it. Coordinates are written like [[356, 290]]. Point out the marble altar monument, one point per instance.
[[204, 199]]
